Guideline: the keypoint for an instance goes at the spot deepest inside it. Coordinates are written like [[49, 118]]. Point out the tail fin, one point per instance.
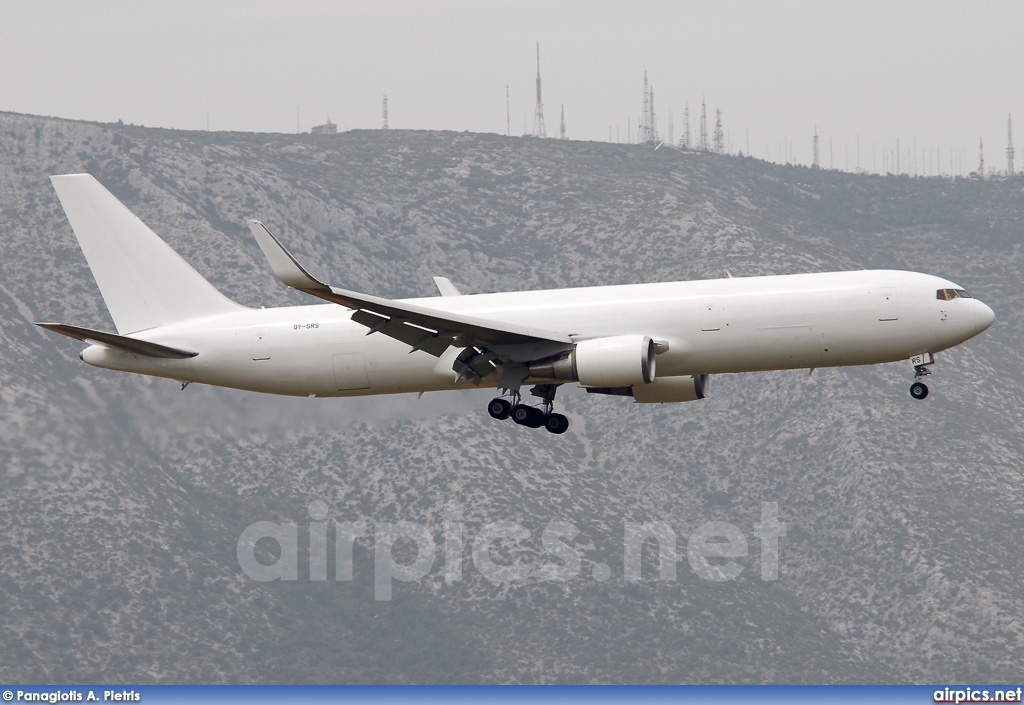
[[143, 281]]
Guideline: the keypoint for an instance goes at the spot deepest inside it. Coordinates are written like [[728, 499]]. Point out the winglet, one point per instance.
[[287, 269]]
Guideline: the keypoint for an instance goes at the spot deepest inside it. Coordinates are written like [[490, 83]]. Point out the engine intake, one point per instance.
[[618, 361]]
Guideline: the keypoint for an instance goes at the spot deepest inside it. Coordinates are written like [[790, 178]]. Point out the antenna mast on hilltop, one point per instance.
[[538, 114], [1009, 146], [687, 141], [652, 123], [815, 164], [648, 125], [719, 134], [562, 130], [703, 126], [981, 157], [384, 113], [644, 111]]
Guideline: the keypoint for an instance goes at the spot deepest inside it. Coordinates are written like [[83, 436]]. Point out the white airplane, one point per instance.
[[652, 342]]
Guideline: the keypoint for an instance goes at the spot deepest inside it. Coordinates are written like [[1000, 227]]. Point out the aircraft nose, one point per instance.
[[983, 317]]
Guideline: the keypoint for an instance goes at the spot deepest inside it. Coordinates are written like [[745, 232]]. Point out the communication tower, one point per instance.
[[981, 157], [384, 113], [644, 112], [561, 131], [816, 164], [719, 133], [1009, 146], [687, 141], [648, 123], [652, 123], [703, 126], [538, 113]]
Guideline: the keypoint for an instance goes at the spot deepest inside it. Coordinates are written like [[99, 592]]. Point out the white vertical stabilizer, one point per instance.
[[143, 281]]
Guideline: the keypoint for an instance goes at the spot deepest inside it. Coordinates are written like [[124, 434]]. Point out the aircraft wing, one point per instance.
[[421, 327]]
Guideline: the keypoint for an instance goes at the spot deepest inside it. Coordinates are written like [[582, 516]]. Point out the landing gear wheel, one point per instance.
[[529, 416], [520, 414], [556, 423], [499, 408], [919, 390]]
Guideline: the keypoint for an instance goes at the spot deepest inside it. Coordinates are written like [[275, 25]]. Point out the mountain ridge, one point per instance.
[[123, 497]]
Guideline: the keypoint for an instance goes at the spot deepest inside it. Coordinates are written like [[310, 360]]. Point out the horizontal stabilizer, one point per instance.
[[117, 342]]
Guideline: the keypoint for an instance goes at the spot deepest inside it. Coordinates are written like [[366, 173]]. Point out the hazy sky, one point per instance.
[[937, 73]]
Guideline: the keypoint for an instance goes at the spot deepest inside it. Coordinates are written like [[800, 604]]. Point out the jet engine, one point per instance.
[[618, 361]]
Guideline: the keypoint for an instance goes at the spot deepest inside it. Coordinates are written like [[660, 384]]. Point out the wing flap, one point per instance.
[[417, 337], [118, 342]]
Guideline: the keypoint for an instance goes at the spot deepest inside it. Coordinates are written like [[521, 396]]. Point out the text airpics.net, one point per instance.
[[711, 550]]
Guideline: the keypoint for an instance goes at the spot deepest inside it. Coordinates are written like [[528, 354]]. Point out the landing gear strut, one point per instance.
[[919, 390], [531, 416]]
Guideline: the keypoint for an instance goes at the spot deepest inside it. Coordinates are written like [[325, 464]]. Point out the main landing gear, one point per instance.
[[531, 416], [919, 390]]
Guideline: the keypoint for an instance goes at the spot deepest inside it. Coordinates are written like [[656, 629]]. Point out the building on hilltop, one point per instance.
[[329, 128]]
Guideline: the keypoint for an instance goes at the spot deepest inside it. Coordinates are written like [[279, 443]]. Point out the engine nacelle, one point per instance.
[[618, 361], [672, 389], [662, 390]]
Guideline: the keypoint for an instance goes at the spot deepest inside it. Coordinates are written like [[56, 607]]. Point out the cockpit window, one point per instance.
[[943, 294], [963, 294], [950, 294]]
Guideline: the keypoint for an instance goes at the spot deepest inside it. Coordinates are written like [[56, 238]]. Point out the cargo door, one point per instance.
[[350, 371]]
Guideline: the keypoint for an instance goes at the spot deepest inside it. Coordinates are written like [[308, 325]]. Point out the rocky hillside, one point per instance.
[[123, 498]]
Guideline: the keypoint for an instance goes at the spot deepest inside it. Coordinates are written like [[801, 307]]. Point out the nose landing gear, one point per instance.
[[531, 416], [919, 390]]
